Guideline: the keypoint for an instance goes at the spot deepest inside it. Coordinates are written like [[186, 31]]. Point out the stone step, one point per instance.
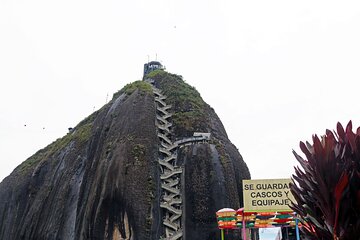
[[169, 158], [164, 128], [168, 174], [163, 110], [168, 197], [167, 146], [163, 125], [173, 235], [161, 96], [171, 182], [156, 91], [174, 217], [163, 120], [171, 209], [166, 164], [165, 138], [172, 200], [164, 117], [172, 225], [157, 99], [170, 189], [165, 151]]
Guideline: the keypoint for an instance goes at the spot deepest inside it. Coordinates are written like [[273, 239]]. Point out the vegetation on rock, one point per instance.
[[131, 87], [102, 179], [80, 134], [188, 106]]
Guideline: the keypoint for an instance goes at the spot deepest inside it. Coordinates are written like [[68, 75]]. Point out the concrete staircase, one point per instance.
[[170, 173], [170, 177]]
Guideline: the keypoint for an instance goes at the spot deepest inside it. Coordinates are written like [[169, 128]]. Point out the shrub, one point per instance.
[[189, 107], [141, 85], [327, 188]]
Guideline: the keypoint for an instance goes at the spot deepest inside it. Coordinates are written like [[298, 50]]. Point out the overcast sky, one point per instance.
[[275, 72]]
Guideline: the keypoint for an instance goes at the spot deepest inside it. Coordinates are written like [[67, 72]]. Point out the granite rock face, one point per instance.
[[102, 179]]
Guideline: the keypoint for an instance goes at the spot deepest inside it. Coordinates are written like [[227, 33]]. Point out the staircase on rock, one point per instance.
[[170, 177], [170, 173]]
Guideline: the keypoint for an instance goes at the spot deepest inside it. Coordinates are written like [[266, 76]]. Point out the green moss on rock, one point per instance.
[[131, 87], [80, 134], [155, 73], [31, 161], [138, 151], [141, 85], [223, 156], [83, 133]]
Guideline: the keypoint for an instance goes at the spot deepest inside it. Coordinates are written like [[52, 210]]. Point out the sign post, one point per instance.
[[268, 195], [266, 204], [297, 228], [244, 227]]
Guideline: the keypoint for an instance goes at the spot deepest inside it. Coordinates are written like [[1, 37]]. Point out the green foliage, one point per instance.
[[187, 120], [83, 133], [141, 85], [59, 144], [138, 151], [31, 161], [155, 73], [224, 158], [79, 134], [88, 119], [152, 187], [131, 87], [186, 102], [184, 97], [327, 188]]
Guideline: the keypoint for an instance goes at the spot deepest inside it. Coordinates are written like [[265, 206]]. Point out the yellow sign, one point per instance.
[[267, 195]]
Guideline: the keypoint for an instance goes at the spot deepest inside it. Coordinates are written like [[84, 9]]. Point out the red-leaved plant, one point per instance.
[[327, 185]]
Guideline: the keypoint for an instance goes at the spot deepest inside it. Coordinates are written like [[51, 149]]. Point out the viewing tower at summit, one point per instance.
[[151, 66]]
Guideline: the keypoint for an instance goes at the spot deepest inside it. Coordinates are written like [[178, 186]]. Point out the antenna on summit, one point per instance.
[[155, 56], [148, 58]]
